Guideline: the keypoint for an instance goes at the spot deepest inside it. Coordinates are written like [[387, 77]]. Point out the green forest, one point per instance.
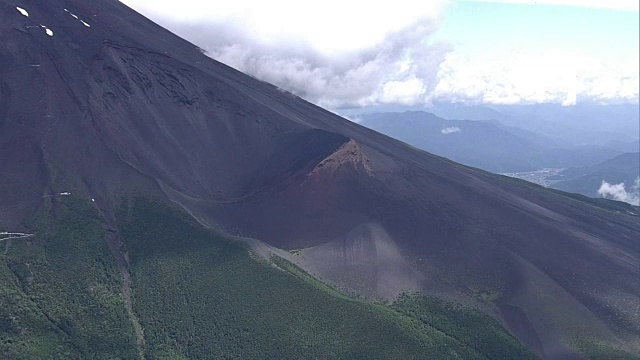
[[199, 295]]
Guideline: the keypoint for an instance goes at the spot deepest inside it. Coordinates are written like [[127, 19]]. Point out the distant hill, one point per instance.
[[581, 124], [489, 145], [577, 125], [625, 146], [586, 180], [608, 126]]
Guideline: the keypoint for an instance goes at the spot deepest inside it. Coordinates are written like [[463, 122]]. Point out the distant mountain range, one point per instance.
[[579, 125], [587, 180], [489, 145]]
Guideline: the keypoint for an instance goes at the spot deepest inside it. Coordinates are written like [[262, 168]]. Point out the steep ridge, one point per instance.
[[124, 105]]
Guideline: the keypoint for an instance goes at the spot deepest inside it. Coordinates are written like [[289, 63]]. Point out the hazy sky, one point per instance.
[[358, 53]]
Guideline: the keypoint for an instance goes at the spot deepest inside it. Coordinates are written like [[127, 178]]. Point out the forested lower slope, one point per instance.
[[198, 295]]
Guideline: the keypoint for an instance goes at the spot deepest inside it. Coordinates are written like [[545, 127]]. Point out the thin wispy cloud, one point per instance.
[[450, 130], [623, 5]]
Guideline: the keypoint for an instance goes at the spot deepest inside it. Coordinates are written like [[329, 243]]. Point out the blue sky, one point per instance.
[[479, 27], [531, 53], [354, 53]]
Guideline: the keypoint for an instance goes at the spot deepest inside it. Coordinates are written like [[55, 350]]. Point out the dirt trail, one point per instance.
[[134, 319], [115, 246], [11, 236]]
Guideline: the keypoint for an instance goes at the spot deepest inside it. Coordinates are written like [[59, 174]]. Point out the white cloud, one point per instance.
[[334, 53], [330, 26], [450, 130], [571, 99], [624, 5], [618, 192], [359, 53], [403, 92]]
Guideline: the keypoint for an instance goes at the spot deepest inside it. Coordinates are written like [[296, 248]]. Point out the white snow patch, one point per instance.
[[22, 11], [450, 130], [77, 18], [47, 30]]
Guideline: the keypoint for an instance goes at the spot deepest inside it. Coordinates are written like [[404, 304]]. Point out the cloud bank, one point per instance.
[[335, 55], [341, 54], [619, 193], [527, 77]]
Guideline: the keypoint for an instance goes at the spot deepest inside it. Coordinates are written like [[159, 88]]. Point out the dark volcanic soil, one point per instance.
[[125, 105]]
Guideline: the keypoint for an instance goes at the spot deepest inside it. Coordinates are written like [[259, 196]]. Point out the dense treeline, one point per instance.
[[469, 326], [61, 292]]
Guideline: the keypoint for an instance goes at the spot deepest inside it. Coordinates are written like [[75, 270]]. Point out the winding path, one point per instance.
[[10, 235]]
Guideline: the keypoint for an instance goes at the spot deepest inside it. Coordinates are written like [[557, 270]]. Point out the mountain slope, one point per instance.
[[62, 298], [125, 107]]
